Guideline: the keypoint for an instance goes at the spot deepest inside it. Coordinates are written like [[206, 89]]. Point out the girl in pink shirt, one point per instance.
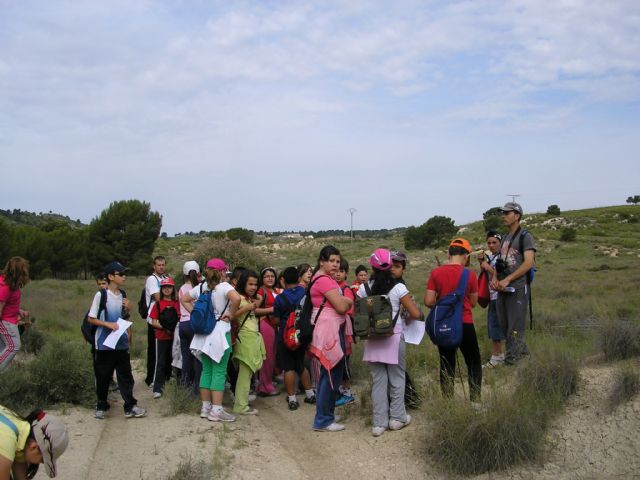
[[14, 276]]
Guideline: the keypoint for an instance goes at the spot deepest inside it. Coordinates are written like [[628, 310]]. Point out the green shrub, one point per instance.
[[16, 390], [568, 234], [234, 252], [626, 385], [32, 340], [62, 373], [620, 339], [190, 469], [179, 400], [553, 210], [553, 373]]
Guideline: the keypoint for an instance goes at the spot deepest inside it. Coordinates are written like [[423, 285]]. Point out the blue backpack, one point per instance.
[[444, 323], [203, 318]]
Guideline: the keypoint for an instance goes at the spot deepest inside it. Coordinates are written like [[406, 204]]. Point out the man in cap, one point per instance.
[[152, 295], [517, 256]]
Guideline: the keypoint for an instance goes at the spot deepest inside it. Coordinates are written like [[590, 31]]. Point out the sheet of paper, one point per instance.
[[414, 332], [114, 336]]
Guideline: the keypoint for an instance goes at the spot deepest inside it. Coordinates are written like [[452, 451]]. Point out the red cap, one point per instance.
[[167, 281]]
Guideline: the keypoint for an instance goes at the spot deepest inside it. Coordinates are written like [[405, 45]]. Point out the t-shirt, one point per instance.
[[151, 287], [322, 285], [282, 310], [248, 322], [11, 300], [161, 333], [493, 294], [398, 291], [111, 314], [12, 446], [185, 315], [218, 297], [444, 280], [509, 251]]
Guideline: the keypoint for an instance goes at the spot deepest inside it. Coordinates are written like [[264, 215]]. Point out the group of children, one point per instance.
[[246, 352]]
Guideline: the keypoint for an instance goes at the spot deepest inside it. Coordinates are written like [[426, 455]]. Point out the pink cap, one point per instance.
[[380, 259], [217, 264]]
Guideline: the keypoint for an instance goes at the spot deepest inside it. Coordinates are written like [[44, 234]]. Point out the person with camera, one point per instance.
[[516, 260]]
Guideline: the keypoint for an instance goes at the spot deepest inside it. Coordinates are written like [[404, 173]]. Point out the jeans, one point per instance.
[[327, 391]]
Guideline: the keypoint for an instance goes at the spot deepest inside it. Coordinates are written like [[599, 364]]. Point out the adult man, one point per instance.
[[152, 293], [517, 256]]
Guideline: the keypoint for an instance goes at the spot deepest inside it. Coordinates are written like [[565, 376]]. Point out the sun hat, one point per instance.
[[167, 281], [217, 264], [512, 207], [380, 259], [52, 438], [190, 265], [461, 242], [114, 267]]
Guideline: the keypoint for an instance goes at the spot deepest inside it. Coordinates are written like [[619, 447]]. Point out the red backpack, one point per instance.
[[291, 332]]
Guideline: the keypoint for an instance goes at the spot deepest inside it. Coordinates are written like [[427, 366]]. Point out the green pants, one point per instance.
[[215, 374], [243, 386]]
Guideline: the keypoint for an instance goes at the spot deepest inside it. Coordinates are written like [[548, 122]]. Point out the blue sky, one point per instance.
[[282, 115]]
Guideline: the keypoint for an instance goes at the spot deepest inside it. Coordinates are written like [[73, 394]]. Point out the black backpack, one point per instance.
[[89, 330], [143, 308], [168, 318]]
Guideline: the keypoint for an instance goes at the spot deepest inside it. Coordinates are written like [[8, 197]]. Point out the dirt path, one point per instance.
[[587, 442]]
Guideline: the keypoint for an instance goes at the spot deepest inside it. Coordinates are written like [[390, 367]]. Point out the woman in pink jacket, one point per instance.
[[329, 308]]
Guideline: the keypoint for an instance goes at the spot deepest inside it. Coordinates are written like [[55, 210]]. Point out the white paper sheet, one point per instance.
[[414, 332], [114, 336]]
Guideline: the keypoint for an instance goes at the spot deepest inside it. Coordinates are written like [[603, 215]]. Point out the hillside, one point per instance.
[[40, 220]]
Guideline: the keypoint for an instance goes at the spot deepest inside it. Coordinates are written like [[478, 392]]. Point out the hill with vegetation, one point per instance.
[[40, 220]]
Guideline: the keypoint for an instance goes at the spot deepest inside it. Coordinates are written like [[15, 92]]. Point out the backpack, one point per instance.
[[444, 323], [143, 308], [291, 333], [168, 318], [304, 324], [203, 318], [373, 315], [89, 330]]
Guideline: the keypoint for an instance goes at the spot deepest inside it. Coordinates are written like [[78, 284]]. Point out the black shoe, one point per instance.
[[311, 400], [293, 404]]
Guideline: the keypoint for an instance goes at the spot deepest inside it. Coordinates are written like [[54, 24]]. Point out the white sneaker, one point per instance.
[[251, 411], [494, 362], [397, 424], [204, 411], [334, 427], [377, 431], [157, 395], [136, 412], [220, 416]]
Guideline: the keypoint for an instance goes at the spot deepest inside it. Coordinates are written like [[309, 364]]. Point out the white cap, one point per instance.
[[190, 265]]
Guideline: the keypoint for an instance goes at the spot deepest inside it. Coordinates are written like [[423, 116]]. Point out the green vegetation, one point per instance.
[[620, 339], [178, 400], [434, 232], [635, 199], [492, 219], [626, 385], [192, 469], [568, 234], [553, 210]]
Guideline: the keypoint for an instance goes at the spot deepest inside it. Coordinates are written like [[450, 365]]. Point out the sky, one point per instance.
[[283, 115]]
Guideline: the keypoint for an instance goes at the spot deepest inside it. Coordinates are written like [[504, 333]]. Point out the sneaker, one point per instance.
[[220, 416], [334, 427], [493, 362], [397, 424], [204, 411], [157, 395], [311, 400], [251, 411], [100, 414], [293, 405], [345, 400], [136, 412], [377, 431]]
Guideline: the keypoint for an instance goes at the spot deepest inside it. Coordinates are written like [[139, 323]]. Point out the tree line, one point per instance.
[[125, 231]]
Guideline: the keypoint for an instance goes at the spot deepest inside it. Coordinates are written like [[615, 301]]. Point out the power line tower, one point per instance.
[[513, 196], [351, 212]]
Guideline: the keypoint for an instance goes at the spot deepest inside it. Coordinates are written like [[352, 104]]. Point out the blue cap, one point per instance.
[[114, 267]]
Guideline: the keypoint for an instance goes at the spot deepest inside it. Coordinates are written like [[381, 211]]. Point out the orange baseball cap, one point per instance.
[[461, 242]]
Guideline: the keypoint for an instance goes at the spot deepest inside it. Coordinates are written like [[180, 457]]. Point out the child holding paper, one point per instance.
[[108, 359]]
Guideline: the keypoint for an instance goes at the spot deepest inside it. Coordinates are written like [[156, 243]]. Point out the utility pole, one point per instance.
[[352, 211], [513, 196]]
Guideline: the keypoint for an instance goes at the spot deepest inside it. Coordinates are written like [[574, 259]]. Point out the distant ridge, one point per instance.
[[39, 220]]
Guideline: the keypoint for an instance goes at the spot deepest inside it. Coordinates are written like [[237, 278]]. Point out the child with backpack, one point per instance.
[[213, 349], [488, 266], [248, 351], [443, 281], [386, 355], [164, 318], [291, 361], [346, 395], [328, 343], [268, 326], [109, 359], [191, 367]]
